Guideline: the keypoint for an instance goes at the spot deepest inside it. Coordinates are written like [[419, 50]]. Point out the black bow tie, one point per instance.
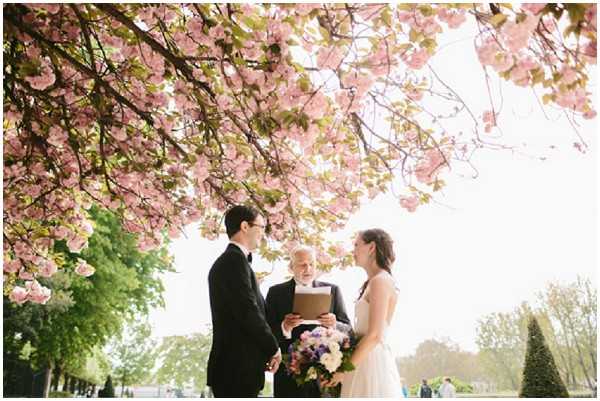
[[249, 258]]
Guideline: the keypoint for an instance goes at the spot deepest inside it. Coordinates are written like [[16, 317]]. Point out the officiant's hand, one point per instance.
[[328, 320], [292, 320]]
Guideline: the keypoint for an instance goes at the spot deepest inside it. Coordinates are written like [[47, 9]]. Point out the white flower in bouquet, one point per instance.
[[331, 361]]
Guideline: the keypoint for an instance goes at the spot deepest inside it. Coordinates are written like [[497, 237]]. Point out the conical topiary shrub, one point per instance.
[[108, 391], [540, 375]]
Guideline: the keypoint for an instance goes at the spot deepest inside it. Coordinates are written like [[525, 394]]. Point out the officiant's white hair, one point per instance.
[[301, 248]]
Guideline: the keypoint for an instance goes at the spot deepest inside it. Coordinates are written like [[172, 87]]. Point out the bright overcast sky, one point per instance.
[[491, 242]]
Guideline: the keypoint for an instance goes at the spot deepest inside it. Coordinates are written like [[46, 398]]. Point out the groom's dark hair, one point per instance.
[[235, 216]]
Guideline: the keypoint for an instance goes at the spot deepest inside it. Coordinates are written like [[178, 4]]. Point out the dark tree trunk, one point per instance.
[[56, 378], [72, 384], [65, 386]]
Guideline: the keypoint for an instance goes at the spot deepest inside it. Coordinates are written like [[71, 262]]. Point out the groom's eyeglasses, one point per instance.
[[258, 225]]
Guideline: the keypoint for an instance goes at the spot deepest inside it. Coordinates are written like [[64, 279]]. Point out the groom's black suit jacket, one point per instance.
[[280, 300], [242, 341]]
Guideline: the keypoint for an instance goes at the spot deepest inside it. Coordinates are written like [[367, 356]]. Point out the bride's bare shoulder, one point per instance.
[[383, 282]]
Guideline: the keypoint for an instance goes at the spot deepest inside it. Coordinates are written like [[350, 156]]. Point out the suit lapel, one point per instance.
[[256, 287], [253, 281], [288, 296]]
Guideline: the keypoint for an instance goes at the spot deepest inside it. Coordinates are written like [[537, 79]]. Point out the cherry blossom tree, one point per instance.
[[168, 114]]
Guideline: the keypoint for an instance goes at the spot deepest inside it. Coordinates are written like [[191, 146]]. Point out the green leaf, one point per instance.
[[576, 12], [575, 29], [538, 76], [498, 20], [239, 32], [325, 33], [426, 10], [415, 36], [547, 98], [429, 44], [304, 83], [303, 121], [386, 16]]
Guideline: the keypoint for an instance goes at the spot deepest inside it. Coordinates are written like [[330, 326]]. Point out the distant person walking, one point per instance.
[[424, 390], [447, 389]]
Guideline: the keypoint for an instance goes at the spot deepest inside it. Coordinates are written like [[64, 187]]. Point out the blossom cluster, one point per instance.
[[168, 114]]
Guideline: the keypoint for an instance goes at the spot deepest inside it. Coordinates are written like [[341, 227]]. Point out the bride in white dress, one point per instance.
[[375, 373]]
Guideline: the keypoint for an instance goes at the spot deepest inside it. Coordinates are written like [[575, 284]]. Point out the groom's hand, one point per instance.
[[292, 320], [273, 364], [328, 320]]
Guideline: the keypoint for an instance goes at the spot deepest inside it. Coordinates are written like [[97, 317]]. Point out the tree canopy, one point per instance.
[[85, 313], [168, 114]]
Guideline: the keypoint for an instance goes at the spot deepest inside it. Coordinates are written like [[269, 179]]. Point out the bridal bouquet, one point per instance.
[[318, 354]]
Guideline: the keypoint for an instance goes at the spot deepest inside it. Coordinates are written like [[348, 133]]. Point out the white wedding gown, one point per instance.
[[377, 375]]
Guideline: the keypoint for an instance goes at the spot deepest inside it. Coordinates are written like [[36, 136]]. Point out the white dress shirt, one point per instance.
[[242, 247]]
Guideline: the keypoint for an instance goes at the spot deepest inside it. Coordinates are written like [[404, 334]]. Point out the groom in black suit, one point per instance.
[[288, 327], [243, 346]]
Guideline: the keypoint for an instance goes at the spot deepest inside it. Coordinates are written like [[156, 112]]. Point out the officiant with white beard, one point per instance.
[[287, 327]]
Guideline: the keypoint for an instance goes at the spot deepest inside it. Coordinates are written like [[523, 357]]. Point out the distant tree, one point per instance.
[[439, 358], [570, 321], [183, 360], [133, 354], [501, 338]]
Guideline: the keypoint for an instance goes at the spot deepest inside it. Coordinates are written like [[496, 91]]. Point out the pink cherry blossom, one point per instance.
[[119, 133], [409, 203], [11, 266], [57, 136], [516, 35], [362, 83], [83, 269], [454, 19], [47, 268], [25, 275], [76, 244], [329, 57], [417, 59], [414, 93], [18, 295], [239, 113], [37, 293], [46, 77], [489, 118], [533, 8], [568, 75]]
